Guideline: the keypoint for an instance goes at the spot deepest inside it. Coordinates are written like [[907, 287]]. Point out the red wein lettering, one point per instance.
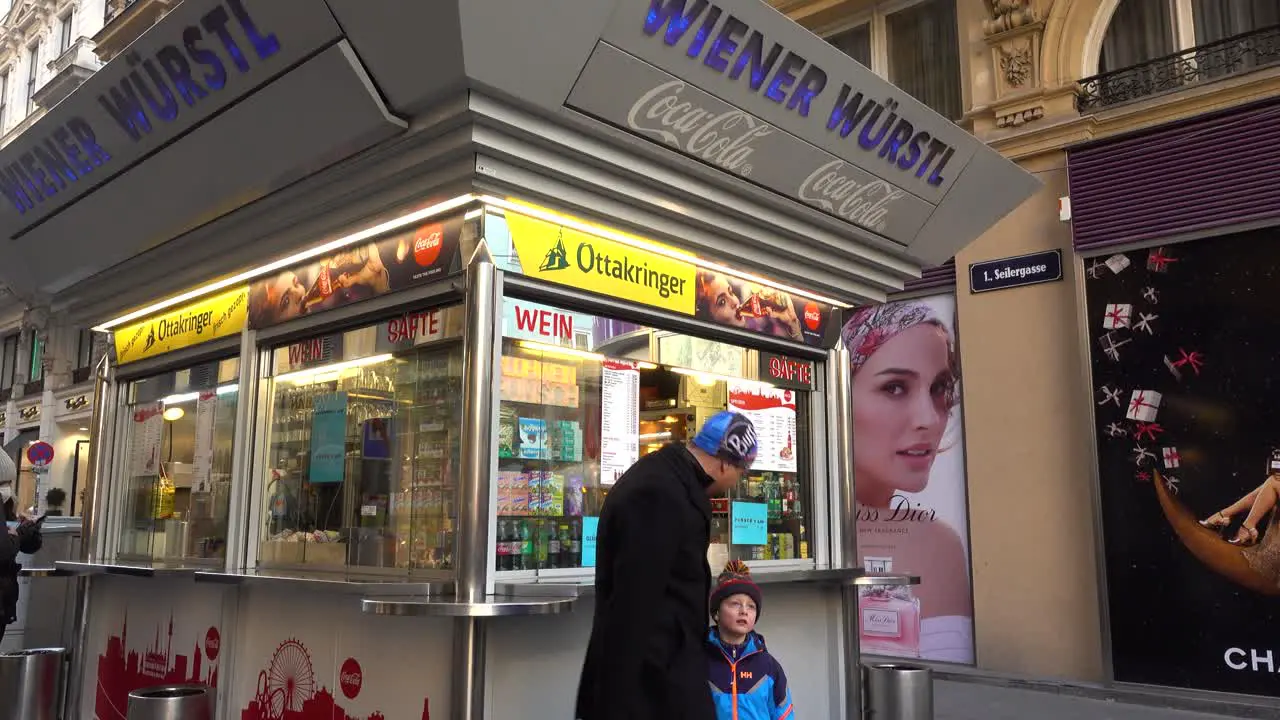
[[546, 323], [307, 351]]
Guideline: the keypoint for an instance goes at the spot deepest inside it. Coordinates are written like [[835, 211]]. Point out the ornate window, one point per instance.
[[1143, 30], [915, 44]]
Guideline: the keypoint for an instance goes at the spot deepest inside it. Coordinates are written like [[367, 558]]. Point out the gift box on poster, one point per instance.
[[1158, 260], [1117, 263], [1143, 405], [1111, 343], [1171, 457], [1117, 316]]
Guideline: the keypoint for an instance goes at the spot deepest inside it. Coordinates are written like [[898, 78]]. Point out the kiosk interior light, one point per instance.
[[180, 398], [708, 379], [174, 414], [331, 372], [625, 239], [576, 353], [355, 237]]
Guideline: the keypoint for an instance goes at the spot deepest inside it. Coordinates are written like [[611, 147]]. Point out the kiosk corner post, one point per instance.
[[471, 551], [840, 380], [91, 533]]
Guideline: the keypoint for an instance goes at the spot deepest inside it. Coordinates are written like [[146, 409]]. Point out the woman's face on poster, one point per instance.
[[901, 404], [717, 294], [289, 294]]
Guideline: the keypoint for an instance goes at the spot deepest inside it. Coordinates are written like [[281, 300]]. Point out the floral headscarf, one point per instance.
[[871, 327]]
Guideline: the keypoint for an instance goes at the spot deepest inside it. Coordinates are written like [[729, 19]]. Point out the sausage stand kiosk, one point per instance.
[[396, 295]]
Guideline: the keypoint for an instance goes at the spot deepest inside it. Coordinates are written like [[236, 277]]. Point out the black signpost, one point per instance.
[[1033, 269]]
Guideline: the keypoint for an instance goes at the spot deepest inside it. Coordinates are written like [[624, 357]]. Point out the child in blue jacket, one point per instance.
[[747, 682]]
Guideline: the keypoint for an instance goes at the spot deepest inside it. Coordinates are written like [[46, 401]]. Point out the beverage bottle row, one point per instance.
[[539, 544]]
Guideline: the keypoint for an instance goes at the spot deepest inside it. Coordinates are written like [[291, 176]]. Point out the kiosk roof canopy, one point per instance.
[[226, 101]]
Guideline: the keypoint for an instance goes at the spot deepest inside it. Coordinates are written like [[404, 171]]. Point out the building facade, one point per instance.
[[48, 48], [1147, 122]]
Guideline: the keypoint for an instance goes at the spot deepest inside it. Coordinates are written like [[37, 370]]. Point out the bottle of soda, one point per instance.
[[513, 546], [553, 545], [540, 544], [504, 550], [575, 544], [566, 547], [528, 561]]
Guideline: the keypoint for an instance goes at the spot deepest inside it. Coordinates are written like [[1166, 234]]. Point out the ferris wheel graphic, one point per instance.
[[288, 682]]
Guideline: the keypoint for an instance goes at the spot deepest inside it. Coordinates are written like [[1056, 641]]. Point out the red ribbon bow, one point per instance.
[[1151, 430]]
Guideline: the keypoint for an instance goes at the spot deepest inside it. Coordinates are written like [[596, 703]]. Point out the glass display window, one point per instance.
[[179, 430], [583, 398], [363, 447]]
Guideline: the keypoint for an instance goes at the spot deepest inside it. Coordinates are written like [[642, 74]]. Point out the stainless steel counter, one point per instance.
[[830, 576], [127, 570], [496, 606], [333, 583]]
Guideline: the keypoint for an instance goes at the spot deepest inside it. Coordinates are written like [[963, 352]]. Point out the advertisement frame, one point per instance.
[[1084, 350], [952, 292], [1085, 356], [1079, 261]]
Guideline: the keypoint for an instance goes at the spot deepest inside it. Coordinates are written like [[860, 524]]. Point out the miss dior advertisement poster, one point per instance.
[[910, 480], [1185, 343]]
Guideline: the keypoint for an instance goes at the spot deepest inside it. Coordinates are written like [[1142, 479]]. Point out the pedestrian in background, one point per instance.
[[22, 535], [646, 657]]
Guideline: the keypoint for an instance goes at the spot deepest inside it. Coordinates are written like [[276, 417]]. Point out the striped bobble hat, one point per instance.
[[735, 579]]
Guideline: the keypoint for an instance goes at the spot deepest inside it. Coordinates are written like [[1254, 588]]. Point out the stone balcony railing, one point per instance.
[[67, 71], [1232, 56]]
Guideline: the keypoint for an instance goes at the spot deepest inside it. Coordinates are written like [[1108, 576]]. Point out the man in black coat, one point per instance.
[[18, 536], [645, 658]]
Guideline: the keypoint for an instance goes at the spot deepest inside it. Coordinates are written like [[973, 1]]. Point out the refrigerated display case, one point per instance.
[[362, 457]]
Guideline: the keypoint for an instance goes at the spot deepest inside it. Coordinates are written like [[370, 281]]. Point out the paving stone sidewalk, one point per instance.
[[978, 701]]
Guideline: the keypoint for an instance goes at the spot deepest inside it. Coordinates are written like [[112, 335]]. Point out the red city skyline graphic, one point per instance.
[[121, 670], [287, 690]]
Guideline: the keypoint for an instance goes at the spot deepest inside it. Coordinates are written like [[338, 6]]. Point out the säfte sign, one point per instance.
[[1033, 269], [786, 371]]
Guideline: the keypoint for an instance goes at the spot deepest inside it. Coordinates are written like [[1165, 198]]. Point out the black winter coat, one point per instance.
[[28, 540], [645, 658]]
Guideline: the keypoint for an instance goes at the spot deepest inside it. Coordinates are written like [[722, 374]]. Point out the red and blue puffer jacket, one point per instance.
[[747, 683]]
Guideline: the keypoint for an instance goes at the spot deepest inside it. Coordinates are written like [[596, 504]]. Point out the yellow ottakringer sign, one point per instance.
[[201, 321], [555, 253]]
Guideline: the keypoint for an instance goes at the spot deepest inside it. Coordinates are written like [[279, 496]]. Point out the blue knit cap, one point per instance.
[[729, 436]]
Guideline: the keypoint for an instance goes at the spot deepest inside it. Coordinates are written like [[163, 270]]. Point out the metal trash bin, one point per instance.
[[172, 702], [31, 684], [897, 692]]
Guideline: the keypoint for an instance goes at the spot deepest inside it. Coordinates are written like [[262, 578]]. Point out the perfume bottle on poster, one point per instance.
[[889, 621]]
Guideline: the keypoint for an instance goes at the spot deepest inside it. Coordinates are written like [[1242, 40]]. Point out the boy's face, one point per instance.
[[737, 614]]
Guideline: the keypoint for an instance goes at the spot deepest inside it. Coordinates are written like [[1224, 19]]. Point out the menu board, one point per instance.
[[773, 412], [202, 463], [144, 446], [620, 419]]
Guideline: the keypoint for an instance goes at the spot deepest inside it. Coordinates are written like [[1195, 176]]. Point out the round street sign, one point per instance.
[[40, 454]]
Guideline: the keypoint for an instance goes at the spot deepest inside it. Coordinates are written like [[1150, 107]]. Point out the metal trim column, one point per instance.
[[104, 406], [472, 531], [845, 525], [243, 506]]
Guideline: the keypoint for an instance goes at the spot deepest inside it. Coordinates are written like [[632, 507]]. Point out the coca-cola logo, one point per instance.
[[812, 316], [212, 643], [350, 678], [865, 203], [720, 138], [427, 242]]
